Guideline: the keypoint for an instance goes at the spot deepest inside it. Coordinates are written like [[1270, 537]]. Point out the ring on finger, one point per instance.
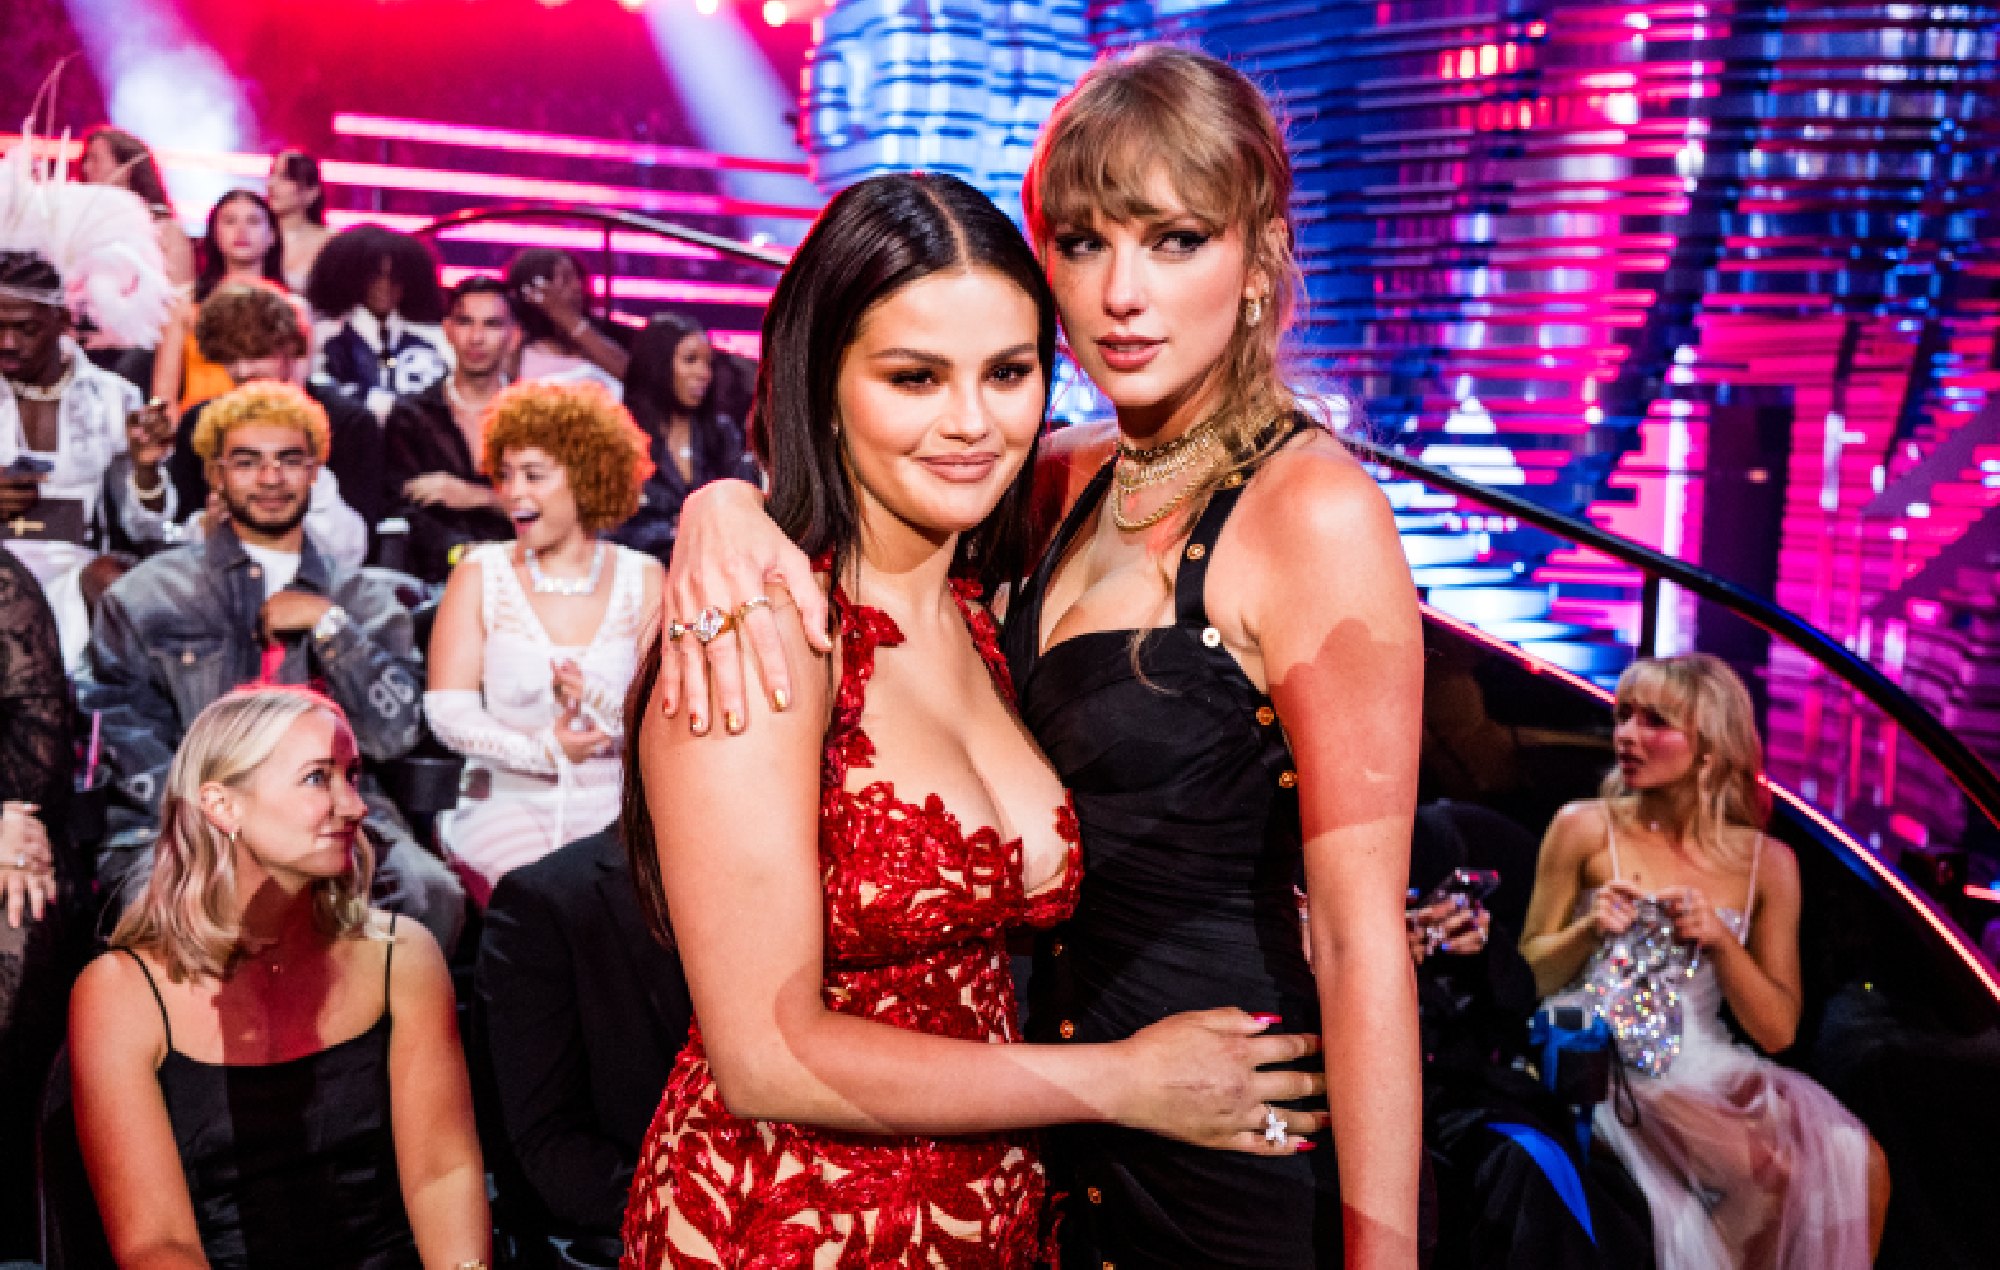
[[710, 623], [744, 609], [1276, 1133], [676, 629]]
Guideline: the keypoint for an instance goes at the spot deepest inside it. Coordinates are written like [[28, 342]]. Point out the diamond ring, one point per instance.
[[676, 629], [754, 602], [1275, 1131], [709, 623]]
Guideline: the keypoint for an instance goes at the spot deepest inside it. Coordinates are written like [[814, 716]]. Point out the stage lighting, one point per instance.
[[705, 6], [631, 6], [775, 12]]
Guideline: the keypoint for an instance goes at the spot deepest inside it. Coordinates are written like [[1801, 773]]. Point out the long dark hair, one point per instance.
[[353, 258], [135, 157], [300, 168], [213, 266], [649, 395], [873, 239]]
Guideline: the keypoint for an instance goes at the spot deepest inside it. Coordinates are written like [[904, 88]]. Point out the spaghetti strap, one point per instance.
[[158, 1000], [388, 961], [1750, 899]]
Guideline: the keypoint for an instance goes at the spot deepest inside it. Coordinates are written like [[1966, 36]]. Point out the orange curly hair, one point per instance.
[[580, 426], [261, 401]]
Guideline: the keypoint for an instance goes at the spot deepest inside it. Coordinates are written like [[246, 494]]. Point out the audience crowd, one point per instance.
[[317, 618]]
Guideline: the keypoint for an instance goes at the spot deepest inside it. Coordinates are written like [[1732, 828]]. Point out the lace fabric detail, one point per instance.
[[916, 915]]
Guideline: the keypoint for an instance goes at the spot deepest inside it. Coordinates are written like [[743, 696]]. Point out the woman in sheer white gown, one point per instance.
[[1660, 903], [536, 640]]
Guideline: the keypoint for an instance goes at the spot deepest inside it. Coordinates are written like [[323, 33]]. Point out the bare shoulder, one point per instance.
[[110, 994], [1777, 867], [1068, 458], [1579, 829], [1315, 488]]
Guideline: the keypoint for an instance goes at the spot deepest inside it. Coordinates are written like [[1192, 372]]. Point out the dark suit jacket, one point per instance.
[[584, 1014], [420, 438]]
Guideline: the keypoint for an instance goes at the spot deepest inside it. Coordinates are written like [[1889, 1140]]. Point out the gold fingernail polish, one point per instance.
[[781, 699], [697, 725], [733, 721]]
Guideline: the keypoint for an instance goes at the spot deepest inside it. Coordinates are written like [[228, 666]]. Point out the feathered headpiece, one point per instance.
[[100, 239]]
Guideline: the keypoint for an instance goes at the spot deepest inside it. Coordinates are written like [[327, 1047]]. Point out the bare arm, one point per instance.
[[458, 634], [116, 1045], [1760, 980], [167, 358], [744, 889], [1554, 943], [430, 1108], [178, 251], [1334, 615]]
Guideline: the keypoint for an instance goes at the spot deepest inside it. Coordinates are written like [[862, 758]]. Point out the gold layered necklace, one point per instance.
[[1139, 468], [45, 393]]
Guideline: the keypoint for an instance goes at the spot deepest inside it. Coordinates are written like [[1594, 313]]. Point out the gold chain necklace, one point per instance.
[[38, 392], [1139, 469]]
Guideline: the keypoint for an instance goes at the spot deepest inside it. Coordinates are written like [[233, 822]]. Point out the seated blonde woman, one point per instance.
[[537, 639], [266, 1072], [1744, 1163]]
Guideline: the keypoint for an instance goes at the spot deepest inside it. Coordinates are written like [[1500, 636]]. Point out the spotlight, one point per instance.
[[631, 6], [706, 6], [775, 12]]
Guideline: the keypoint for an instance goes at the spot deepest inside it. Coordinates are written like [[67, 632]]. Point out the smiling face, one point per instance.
[[535, 491], [1152, 306], [264, 475], [937, 413], [297, 814], [1652, 752], [694, 368], [243, 234]]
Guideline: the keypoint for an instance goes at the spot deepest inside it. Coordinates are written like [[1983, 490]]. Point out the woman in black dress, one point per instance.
[[672, 390], [1221, 655]]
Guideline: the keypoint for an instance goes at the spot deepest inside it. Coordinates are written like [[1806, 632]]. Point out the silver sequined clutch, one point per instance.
[[1633, 982]]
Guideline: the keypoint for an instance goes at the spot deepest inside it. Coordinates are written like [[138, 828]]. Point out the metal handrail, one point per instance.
[[609, 220], [1967, 770]]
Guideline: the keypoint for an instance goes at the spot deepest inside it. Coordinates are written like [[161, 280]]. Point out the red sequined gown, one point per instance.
[[916, 913]]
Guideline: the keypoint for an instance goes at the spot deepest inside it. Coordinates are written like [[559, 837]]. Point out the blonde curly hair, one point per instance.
[[603, 452], [266, 403]]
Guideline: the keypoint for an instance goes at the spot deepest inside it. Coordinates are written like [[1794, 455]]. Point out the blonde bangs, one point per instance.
[[1653, 685], [1700, 695], [1097, 161]]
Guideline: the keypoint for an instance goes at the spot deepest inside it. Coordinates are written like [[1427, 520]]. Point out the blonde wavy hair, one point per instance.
[[266, 403], [1701, 696], [187, 916], [1204, 125], [584, 429]]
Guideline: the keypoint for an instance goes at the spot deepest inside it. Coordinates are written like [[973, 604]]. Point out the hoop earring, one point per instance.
[[1253, 310]]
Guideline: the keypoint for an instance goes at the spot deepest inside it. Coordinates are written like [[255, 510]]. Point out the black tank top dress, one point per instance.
[[1187, 798], [292, 1165]]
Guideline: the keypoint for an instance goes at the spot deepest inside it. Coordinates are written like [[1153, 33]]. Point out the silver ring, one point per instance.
[[1276, 1132], [675, 630], [754, 602]]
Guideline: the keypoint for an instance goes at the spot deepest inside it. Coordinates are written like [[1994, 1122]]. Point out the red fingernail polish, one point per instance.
[[1306, 1144], [1268, 1019]]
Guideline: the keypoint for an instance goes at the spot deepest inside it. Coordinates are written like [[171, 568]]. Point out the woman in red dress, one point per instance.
[[846, 1098]]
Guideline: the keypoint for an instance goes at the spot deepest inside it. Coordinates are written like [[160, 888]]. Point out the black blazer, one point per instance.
[[584, 1014]]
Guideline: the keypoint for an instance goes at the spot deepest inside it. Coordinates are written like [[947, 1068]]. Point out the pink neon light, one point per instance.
[[451, 134], [523, 234], [1986, 893], [669, 290], [1952, 936]]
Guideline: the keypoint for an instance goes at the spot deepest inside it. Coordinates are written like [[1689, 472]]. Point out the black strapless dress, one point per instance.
[[1186, 795]]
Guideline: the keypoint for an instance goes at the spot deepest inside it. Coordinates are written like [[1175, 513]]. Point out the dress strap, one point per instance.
[[388, 960], [1750, 900], [862, 631], [1190, 580], [985, 635], [158, 1000]]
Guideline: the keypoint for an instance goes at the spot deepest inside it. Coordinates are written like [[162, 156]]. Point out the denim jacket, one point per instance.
[[180, 630]]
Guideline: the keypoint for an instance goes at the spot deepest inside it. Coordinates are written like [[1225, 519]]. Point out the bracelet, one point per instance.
[[582, 325], [471, 1263], [331, 623]]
